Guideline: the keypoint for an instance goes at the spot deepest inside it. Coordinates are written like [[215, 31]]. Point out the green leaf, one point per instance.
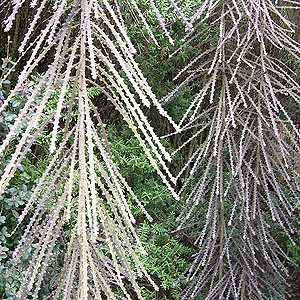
[[13, 191], [21, 168], [9, 116], [15, 102], [15, 213]]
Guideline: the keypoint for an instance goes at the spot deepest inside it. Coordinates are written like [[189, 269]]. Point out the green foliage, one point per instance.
[[167, 257], [13, 200], [12, 204]]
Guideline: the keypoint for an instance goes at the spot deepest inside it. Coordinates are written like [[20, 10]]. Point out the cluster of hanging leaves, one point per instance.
[[248, 153], [244, 160], [88, 38]]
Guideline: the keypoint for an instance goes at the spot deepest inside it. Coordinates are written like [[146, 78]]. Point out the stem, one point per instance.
[[220, 154], [222, 212], [83, 291], [243, 288]]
